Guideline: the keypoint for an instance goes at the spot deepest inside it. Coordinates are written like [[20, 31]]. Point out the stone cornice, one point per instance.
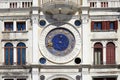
[[111, 66], [112, 9]]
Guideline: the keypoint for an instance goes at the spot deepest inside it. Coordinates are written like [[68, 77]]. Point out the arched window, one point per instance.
[[98, 53], [21, 54], [110, 53], [8, 49]]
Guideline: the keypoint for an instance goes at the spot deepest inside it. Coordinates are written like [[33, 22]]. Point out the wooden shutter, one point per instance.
[[116, 25], [107, 25], [103, 25], [92, 25], [110, 53]]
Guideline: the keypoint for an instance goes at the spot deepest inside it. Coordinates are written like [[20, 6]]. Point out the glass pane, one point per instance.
[[21, 26], [111, 25], [99, 25], [8, 45], [95, 26], [98, 56], [6, 56], [18, 56], [23, 55], [11, 56], [18, 27], [9, 26]]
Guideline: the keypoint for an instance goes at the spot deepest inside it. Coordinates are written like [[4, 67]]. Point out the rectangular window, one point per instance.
[[93, 4], [8, 79], [98, 26], [8, 26], [104, 25], [21, 26]]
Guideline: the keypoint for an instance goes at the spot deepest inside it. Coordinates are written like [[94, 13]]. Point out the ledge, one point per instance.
[[107, 9], [14, 40], [113, 39], [14, 31], [59, 66]]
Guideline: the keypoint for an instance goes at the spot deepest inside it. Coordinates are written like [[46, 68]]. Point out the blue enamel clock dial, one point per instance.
[[60, 41]]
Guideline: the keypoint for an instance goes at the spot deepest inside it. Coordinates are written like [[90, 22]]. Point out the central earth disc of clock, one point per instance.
[[60, 41]]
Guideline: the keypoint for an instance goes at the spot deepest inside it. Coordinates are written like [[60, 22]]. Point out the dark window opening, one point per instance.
[[21, 54], [8, 48], [8, 26], [21, 26]]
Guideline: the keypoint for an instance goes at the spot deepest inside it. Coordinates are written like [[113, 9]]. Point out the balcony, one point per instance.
[[104, 3], [60, 6], [15, 4], [67, 2], [60, 10]]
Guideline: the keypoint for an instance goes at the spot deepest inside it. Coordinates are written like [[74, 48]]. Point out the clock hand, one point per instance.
[[50, 44]]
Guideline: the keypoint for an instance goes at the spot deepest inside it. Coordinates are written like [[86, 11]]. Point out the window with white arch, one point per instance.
[[8, 53], [21, 54], [98, 53], [110, 53]]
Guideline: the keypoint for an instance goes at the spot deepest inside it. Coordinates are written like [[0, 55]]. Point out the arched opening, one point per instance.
[[21, 53], [110, 53], [60, 79], [98, 53], [8, 49]]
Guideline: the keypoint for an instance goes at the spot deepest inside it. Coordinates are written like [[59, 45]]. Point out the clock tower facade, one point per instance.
[[57, 39]]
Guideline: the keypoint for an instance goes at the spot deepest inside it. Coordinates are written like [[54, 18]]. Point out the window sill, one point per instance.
[[104, 31], [97, 66], [14, 31]]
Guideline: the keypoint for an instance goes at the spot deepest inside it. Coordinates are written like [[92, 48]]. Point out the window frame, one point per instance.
[[11, 26], [98, 26], [9, 54], [105, 26], [23, 23], [98, 47], [110, 53], [21, 53]]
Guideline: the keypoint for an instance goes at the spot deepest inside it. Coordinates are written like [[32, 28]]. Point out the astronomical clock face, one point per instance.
[[60, 42]]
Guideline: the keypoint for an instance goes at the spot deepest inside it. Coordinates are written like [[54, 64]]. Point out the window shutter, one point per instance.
[[116, 25], [110, 53], [103, 25], [92, 25], [107, 25]]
